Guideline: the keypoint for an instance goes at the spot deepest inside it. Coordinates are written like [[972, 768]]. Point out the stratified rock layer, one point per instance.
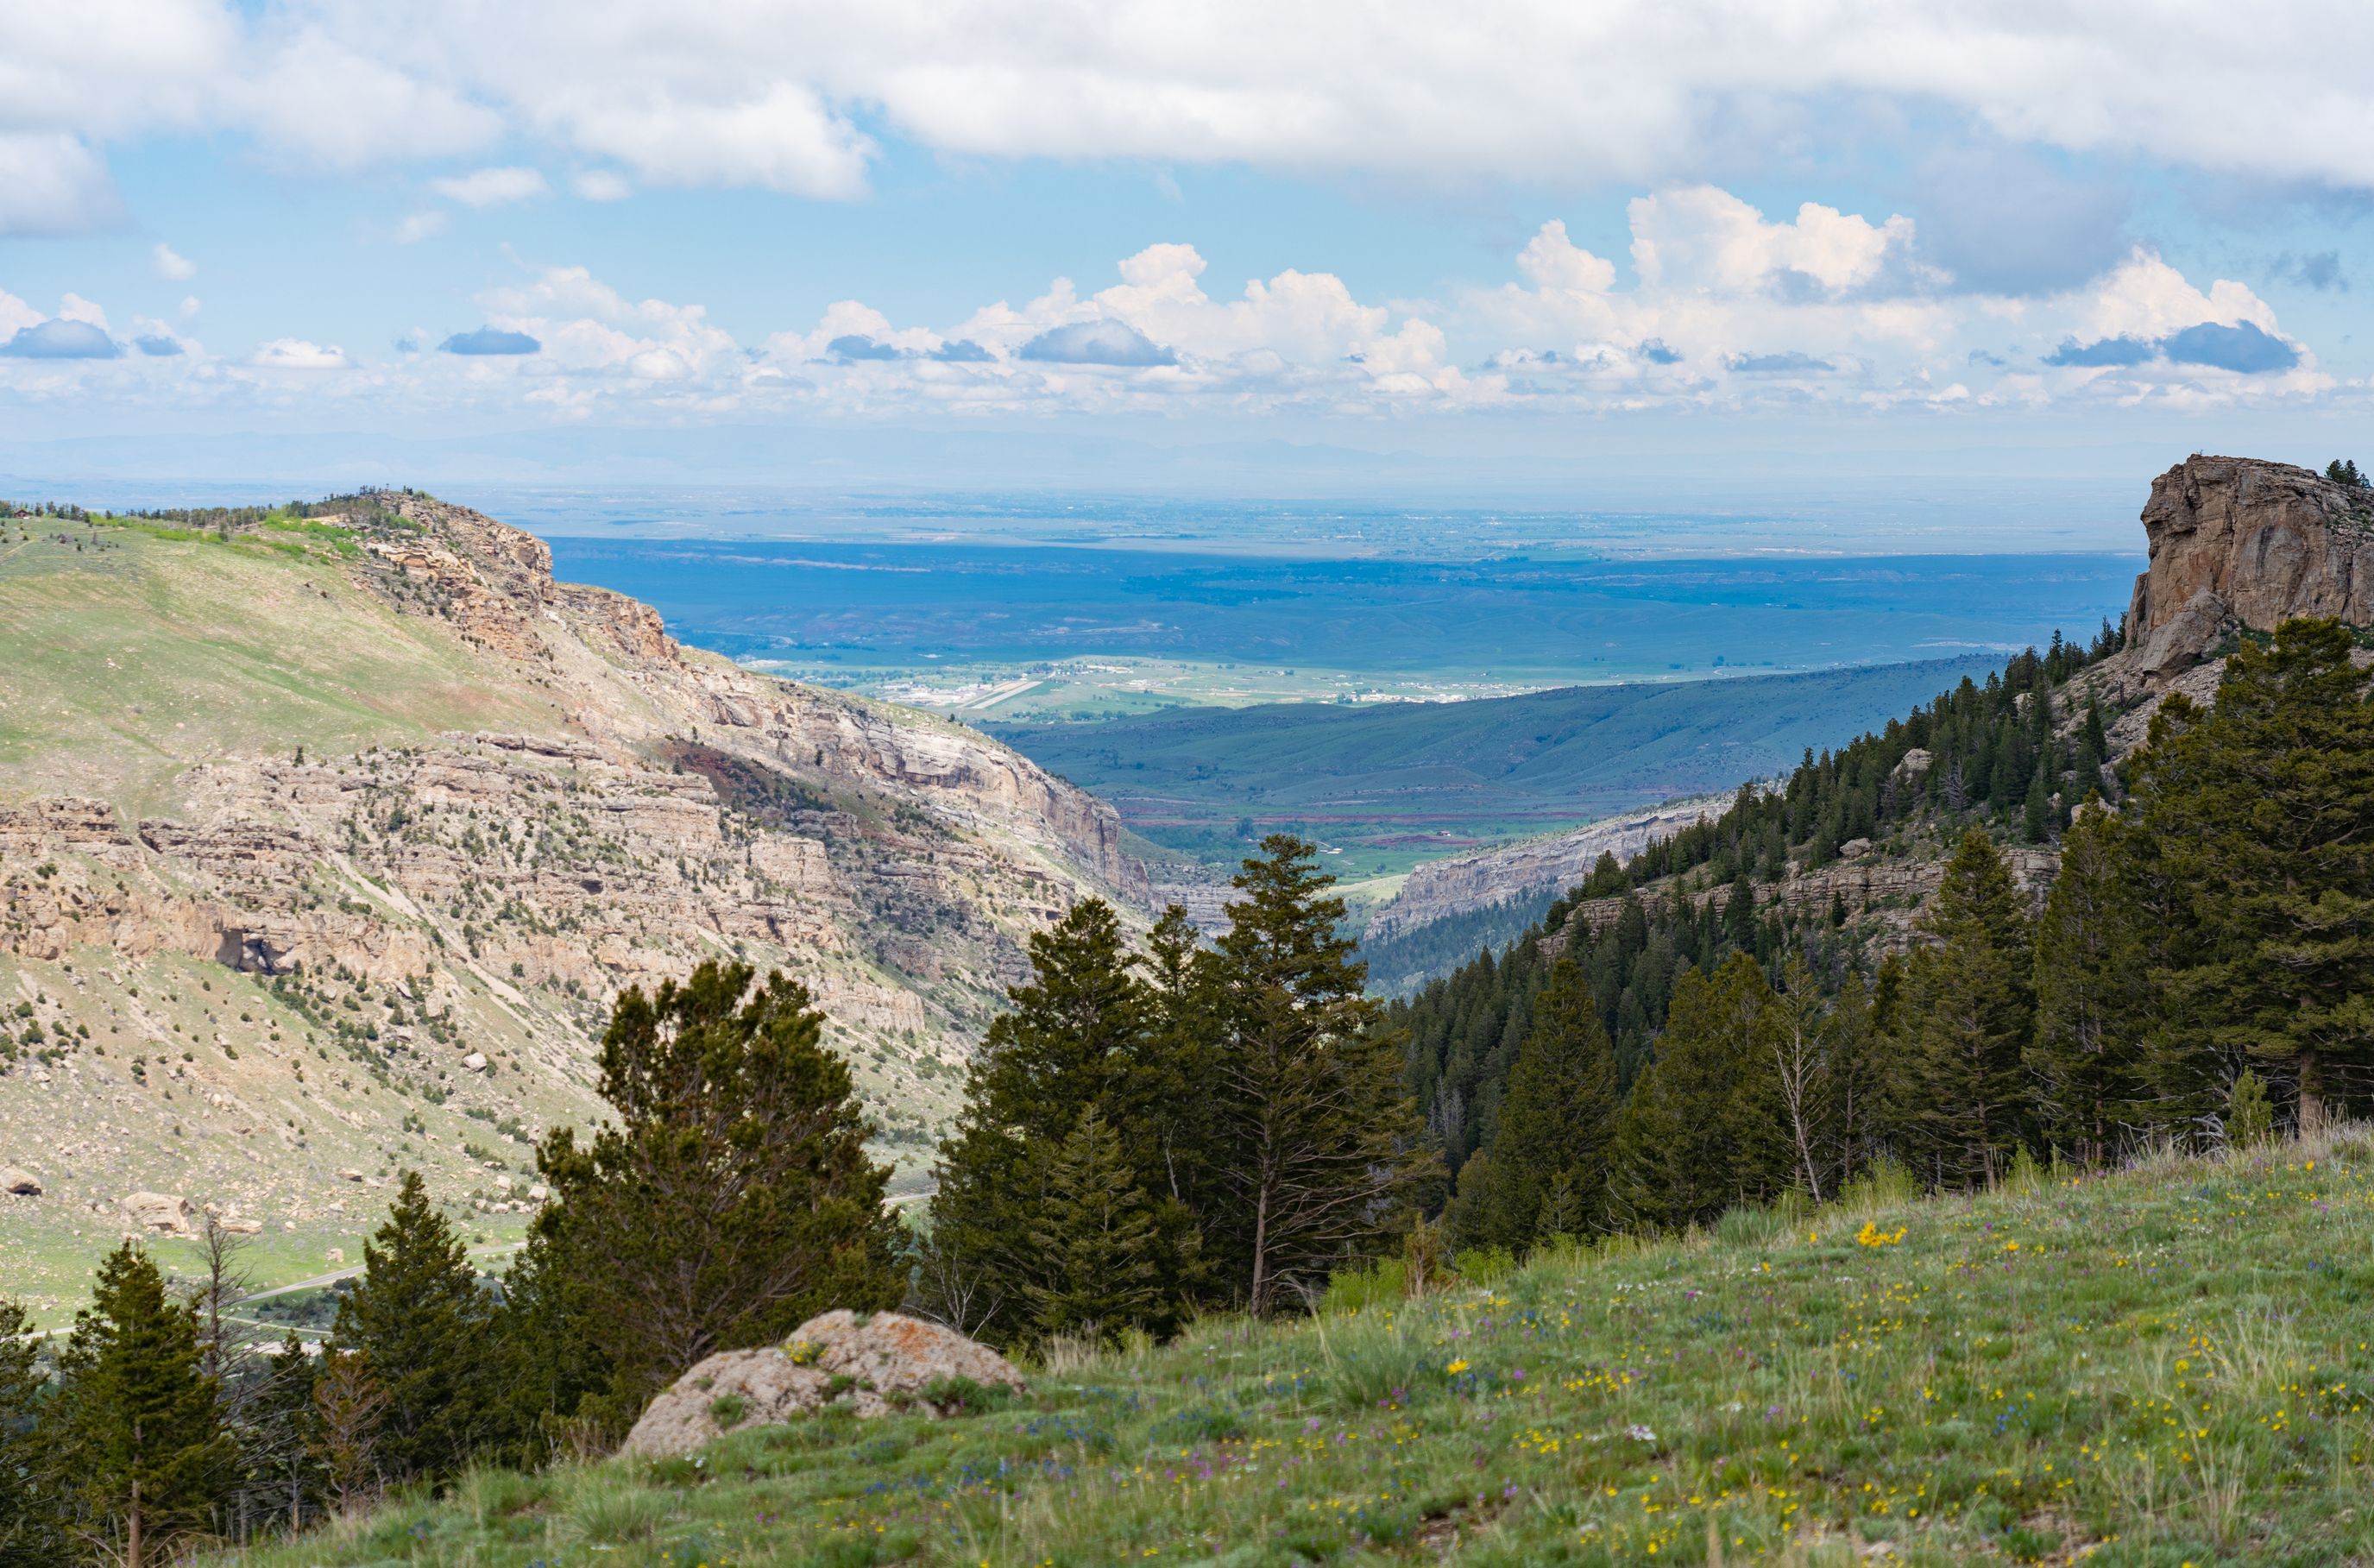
[[2239, 542]]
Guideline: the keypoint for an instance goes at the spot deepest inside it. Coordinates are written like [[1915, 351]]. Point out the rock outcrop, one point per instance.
[[873, 1364], [17, 1182], [1443, 888], [2240, 543]]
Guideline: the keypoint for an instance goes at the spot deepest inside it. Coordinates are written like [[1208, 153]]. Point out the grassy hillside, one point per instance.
[[1394, 783], [136, 652], [2167, 1365]]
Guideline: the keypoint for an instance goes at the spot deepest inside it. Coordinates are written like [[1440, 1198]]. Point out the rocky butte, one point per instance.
[[2237, 545], [324, 847]]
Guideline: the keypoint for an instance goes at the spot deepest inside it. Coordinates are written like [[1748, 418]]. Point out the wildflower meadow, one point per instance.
[[2164, 1364]]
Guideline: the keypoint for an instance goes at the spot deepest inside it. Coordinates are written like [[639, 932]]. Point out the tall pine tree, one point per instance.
[[142, 1451], [1555, 1125], [2090, 993], [424, 1326], [1094, 1244], [31, 1523], [1321, 1142], [2261, 809], [1689, 1143], [1968, 1010]]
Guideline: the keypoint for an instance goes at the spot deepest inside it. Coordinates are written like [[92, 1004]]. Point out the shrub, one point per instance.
[[1485, 1266], [1379, 1283]]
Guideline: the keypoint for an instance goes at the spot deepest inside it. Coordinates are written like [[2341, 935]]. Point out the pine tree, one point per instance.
[[1094, 1244], [1555, 1125], [1320, 1138], [2090, 993], [143, 1448], [287, 1475], [1085, 1030], [1968, 1011], [422, 1322], [2262, 810], [734, 1198], [1679, 1154], [31, 1523]]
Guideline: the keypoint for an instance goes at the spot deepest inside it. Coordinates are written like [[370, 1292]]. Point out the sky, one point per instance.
[[1718, 240]]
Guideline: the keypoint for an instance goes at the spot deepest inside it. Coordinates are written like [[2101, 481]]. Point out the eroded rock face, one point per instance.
[[873, 1366], [2239, 542], [166, 1213]]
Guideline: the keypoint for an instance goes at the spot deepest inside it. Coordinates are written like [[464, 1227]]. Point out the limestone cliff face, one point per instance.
[[1463, 883], [2239, 542], [398, 949]]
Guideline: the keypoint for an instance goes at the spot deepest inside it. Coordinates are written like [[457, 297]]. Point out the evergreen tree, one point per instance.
[[734, 1198], [31, 1523], [420, 1320], [1555, 1125], [2090, 993], [287, 1473], [1085, 1030], [1322, 1144], [1094, 1244], [1739, 914], [1684, 1152], [2261, 811], [1968, 1011], [142, 1449]]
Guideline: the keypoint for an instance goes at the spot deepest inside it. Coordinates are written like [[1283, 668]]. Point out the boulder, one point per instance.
[[18, 1182], [873, 1364], [730, 1390], [895, 1354], [168, 1213], [475, 1061], [238, 1227]]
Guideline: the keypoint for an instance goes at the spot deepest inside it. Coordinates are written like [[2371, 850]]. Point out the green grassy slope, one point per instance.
[[133, 653], [1392, 783], [2167, 1365]]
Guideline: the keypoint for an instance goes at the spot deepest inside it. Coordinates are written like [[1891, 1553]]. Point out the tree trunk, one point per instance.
[[1258, 1301], [2311, 1095], [132, 1529]]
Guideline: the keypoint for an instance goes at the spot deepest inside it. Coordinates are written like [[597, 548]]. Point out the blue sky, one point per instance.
[[1975, 235]]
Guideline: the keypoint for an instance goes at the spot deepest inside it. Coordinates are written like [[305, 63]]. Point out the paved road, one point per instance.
[[321, 1281]]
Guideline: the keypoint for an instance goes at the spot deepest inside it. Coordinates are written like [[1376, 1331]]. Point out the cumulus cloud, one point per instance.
[[1791, 362], [1097, 343], [62, 339], [491, 187], [2102, 352], [2243, 348], [157, 345], [489, 340], [296, 354], [52, 182], [170, 264]]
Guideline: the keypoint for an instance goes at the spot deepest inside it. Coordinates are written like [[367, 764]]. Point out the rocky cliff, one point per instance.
[[1440, 889], [337, 844], [2239, 543]]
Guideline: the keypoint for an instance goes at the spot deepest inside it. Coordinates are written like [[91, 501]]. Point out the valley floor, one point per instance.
[[2168, 1364]]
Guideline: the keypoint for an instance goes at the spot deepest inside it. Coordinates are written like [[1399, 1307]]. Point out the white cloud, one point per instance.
[[320, 102], [170, 264], [50, 182], [15, 315], [73, 307], [1642, 91], [491, 187], [296, 354], [189, 305], [601, 185], [415, 227]]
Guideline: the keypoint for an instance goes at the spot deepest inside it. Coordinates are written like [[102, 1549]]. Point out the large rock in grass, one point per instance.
[[17, 1182], [165, 1212], [870, 1365]]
